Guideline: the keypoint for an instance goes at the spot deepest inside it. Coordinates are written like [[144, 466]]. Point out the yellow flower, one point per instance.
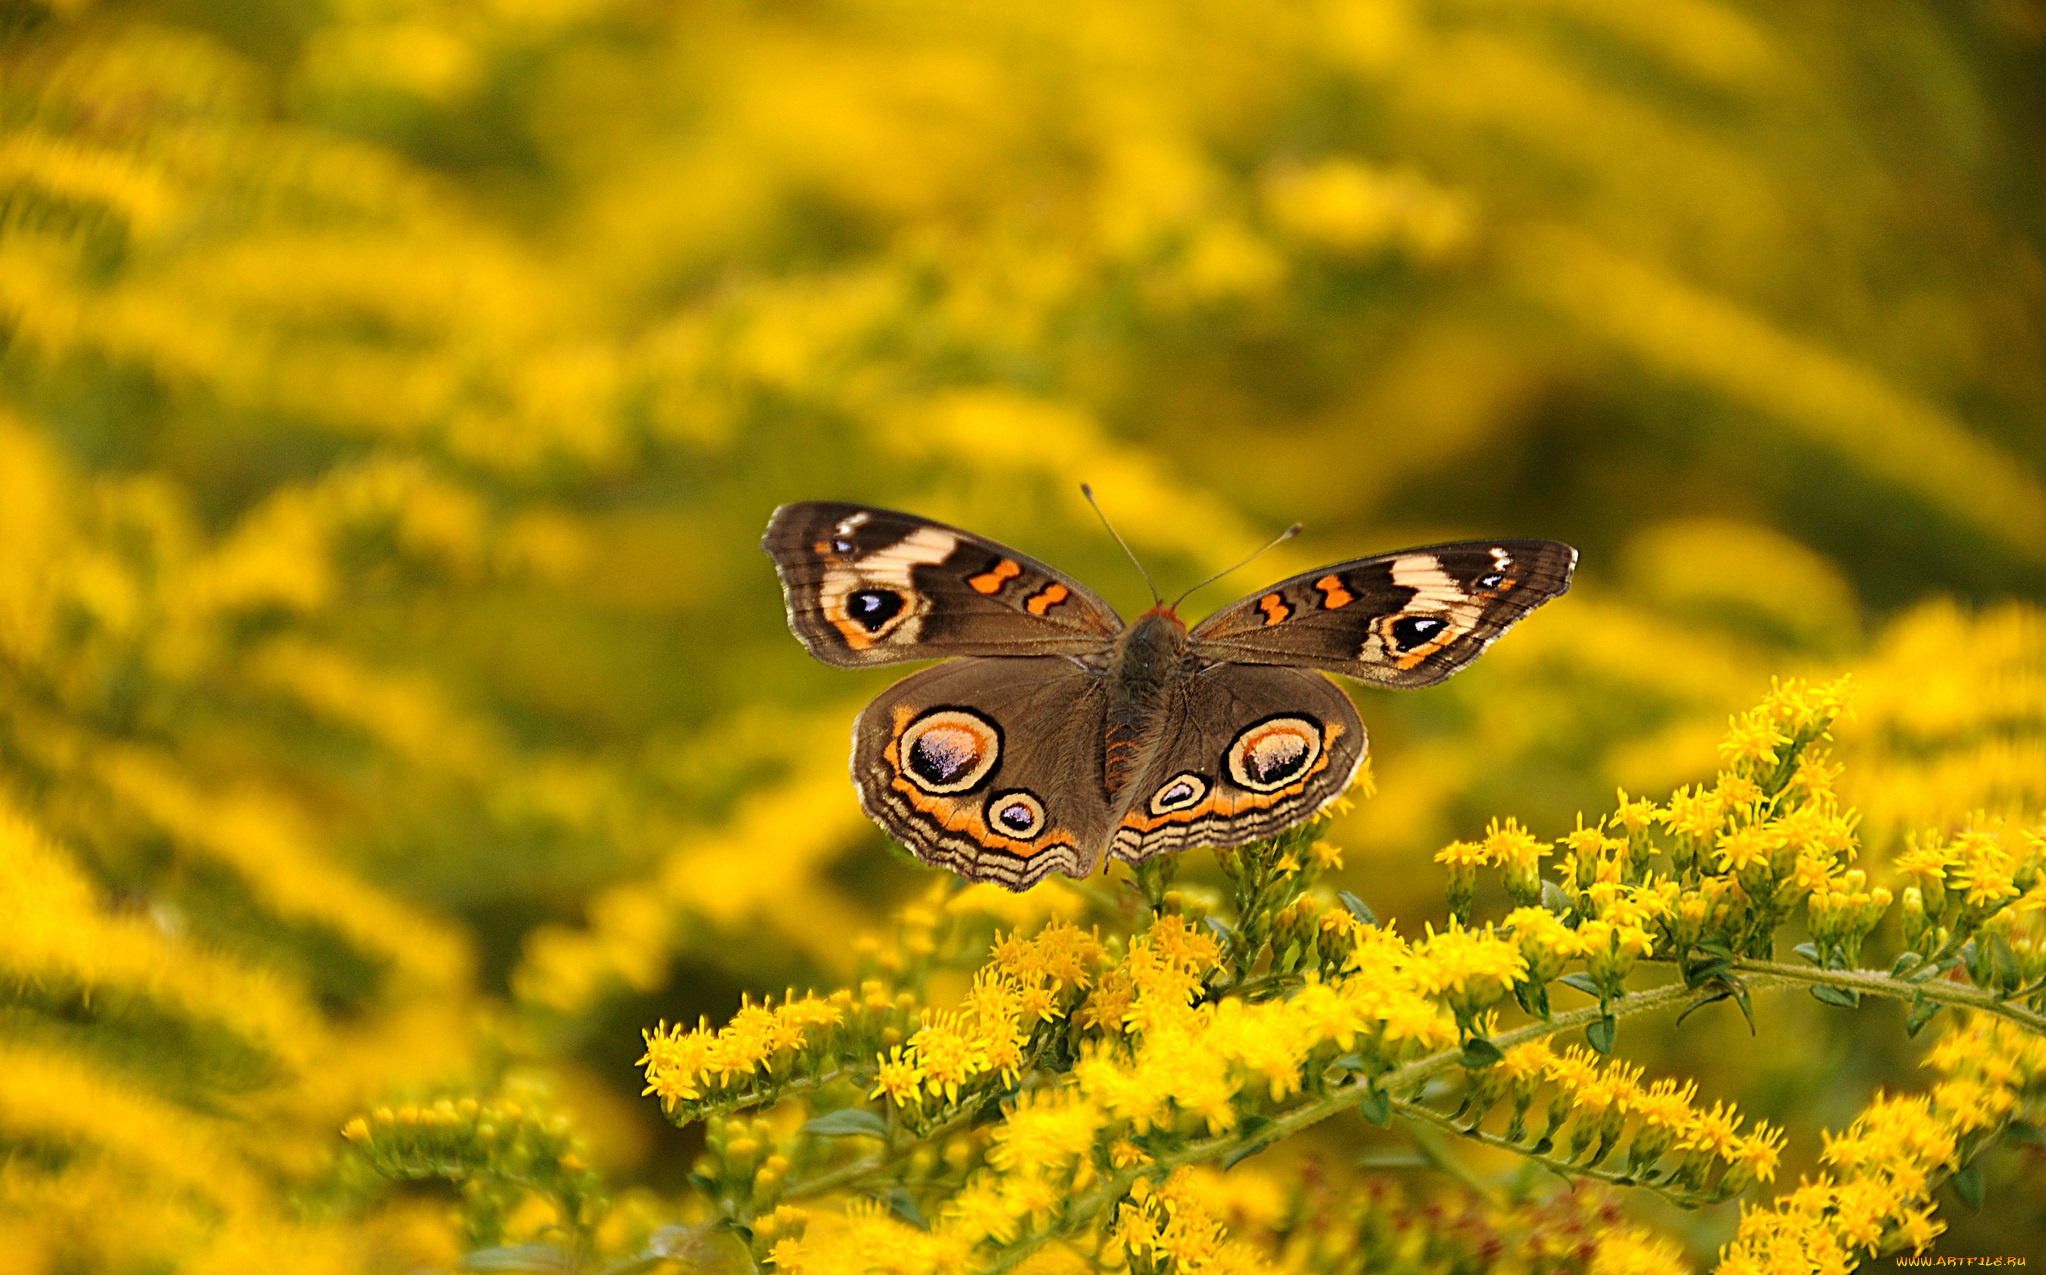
[[1469, 970], [1748, 847], [1752, 740], [1464, 854], [1696, 813], [899, 1078]]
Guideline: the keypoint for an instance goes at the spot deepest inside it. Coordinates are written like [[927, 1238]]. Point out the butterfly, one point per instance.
[[1053, 733]]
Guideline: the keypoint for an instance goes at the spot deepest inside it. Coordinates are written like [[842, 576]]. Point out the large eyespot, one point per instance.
[[1411, 631], [949, 750], [873, 608], [1178, 793], [1015, 814], [1272, 753]]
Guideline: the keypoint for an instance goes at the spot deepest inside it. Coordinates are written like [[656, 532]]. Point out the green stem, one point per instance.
[[1439, 1153], [1429, 1116], [833, 1179], [1877, 983]]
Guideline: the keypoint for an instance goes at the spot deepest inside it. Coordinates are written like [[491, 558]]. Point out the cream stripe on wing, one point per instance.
[[1436, 592], [891, 566]]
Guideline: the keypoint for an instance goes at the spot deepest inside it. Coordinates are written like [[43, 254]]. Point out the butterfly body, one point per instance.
[[1054, 733], [1152, 655]]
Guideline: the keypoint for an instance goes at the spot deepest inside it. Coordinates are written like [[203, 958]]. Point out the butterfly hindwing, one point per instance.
[[868, 586], [990, 767], [1402, 620], [1240, 752]]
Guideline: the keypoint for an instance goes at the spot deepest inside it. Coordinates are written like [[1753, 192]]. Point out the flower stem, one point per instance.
[[1878, 983]]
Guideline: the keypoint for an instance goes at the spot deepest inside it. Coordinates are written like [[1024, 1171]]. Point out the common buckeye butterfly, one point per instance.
[[1054, 733]]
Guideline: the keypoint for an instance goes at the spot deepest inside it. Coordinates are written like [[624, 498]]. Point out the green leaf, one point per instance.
[[1968, 1185], [1712, 998], [903, 1205], [1553, 897], [1250, 1131], [1582, 982], [1809, 951], [2025, 1133], [1480, 1052], [1922, 1011], [1905, 963], [851, 1122], [1358, 908], [1740, 998], [715, 1248], [1376, 1106], [1601, 1033], [1706, 971], [1841, 996]]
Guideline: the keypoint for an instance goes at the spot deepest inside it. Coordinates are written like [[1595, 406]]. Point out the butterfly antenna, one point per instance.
[[1280, 539], [1088, 492]]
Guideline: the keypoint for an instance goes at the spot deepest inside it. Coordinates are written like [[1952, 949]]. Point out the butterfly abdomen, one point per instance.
[[1151, 655]]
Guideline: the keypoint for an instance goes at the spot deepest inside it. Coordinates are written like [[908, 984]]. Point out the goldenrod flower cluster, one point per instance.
[[1328, 1220], [1600, 1103], [1876, 1193], [762, 1042], [1169, 1228], [522, 1171], [1080, 1077]]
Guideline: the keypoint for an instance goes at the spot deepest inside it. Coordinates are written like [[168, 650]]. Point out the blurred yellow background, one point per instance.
[[392, 692]]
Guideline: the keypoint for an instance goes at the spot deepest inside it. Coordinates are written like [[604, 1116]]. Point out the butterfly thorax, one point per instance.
[[1151, 654]]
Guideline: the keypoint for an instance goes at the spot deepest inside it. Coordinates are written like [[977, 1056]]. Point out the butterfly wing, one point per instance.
[[1241, 751], [1402, 620], [992, 768], [867, 586]]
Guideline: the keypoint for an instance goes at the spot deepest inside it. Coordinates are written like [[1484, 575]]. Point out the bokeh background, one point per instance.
[[392, 394]]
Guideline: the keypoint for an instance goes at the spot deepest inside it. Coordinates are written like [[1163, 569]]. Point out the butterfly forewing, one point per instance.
[[992, 768], [867, 586], [1402, 620]]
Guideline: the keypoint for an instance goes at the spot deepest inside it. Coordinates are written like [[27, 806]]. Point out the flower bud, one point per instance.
[[1915, 923]]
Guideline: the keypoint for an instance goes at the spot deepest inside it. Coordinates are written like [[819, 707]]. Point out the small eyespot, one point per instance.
[[841, 545], [1179, 793], [949, 750], [1017, 815], [1491, 581], [874, 608], [1272, 753], [1410, 631]]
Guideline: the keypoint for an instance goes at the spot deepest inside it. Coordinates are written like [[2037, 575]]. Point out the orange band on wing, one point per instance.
[[1217, 805], [991, 580], [1274, 607], [854, 633], [1046, 598], [958, 815], [1411, 658], [1333, 595]]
